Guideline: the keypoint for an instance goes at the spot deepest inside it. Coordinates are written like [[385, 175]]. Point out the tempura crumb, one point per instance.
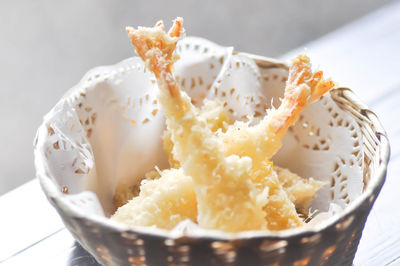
[[162, 202]]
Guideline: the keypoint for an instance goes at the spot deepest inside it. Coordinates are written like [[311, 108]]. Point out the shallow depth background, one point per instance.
[[47, 46]]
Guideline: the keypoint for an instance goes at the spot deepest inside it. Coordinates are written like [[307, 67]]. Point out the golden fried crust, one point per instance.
[[162, 202], [300, 191], [123, 193], [168, 146], [216, 117]]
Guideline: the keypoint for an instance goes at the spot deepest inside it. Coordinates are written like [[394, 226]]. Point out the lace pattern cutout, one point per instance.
[[234, 79]]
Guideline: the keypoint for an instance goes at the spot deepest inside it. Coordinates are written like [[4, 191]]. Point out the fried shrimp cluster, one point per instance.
[[224, 179]]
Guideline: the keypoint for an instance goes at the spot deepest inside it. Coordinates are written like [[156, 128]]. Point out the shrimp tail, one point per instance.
[[156, 48], [303, 87]]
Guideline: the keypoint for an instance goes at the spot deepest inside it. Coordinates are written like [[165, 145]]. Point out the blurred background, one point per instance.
[[47, 46]]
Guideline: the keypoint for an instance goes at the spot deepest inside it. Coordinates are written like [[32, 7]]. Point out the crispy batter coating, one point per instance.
[[162, 202], [301, 191], [235, 185], [124, 193], [216, 117]]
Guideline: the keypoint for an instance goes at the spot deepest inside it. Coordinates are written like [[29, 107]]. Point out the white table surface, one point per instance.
[[364, 56]]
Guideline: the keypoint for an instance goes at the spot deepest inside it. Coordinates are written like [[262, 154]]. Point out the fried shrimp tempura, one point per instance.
[[227, 199], [263, 140], [167, 198], [300, 191], [236, 186]]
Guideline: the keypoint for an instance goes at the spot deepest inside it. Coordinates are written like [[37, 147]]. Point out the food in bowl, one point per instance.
[[222, 177]]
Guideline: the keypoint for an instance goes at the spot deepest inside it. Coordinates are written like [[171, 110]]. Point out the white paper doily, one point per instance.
[[107, 128]]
